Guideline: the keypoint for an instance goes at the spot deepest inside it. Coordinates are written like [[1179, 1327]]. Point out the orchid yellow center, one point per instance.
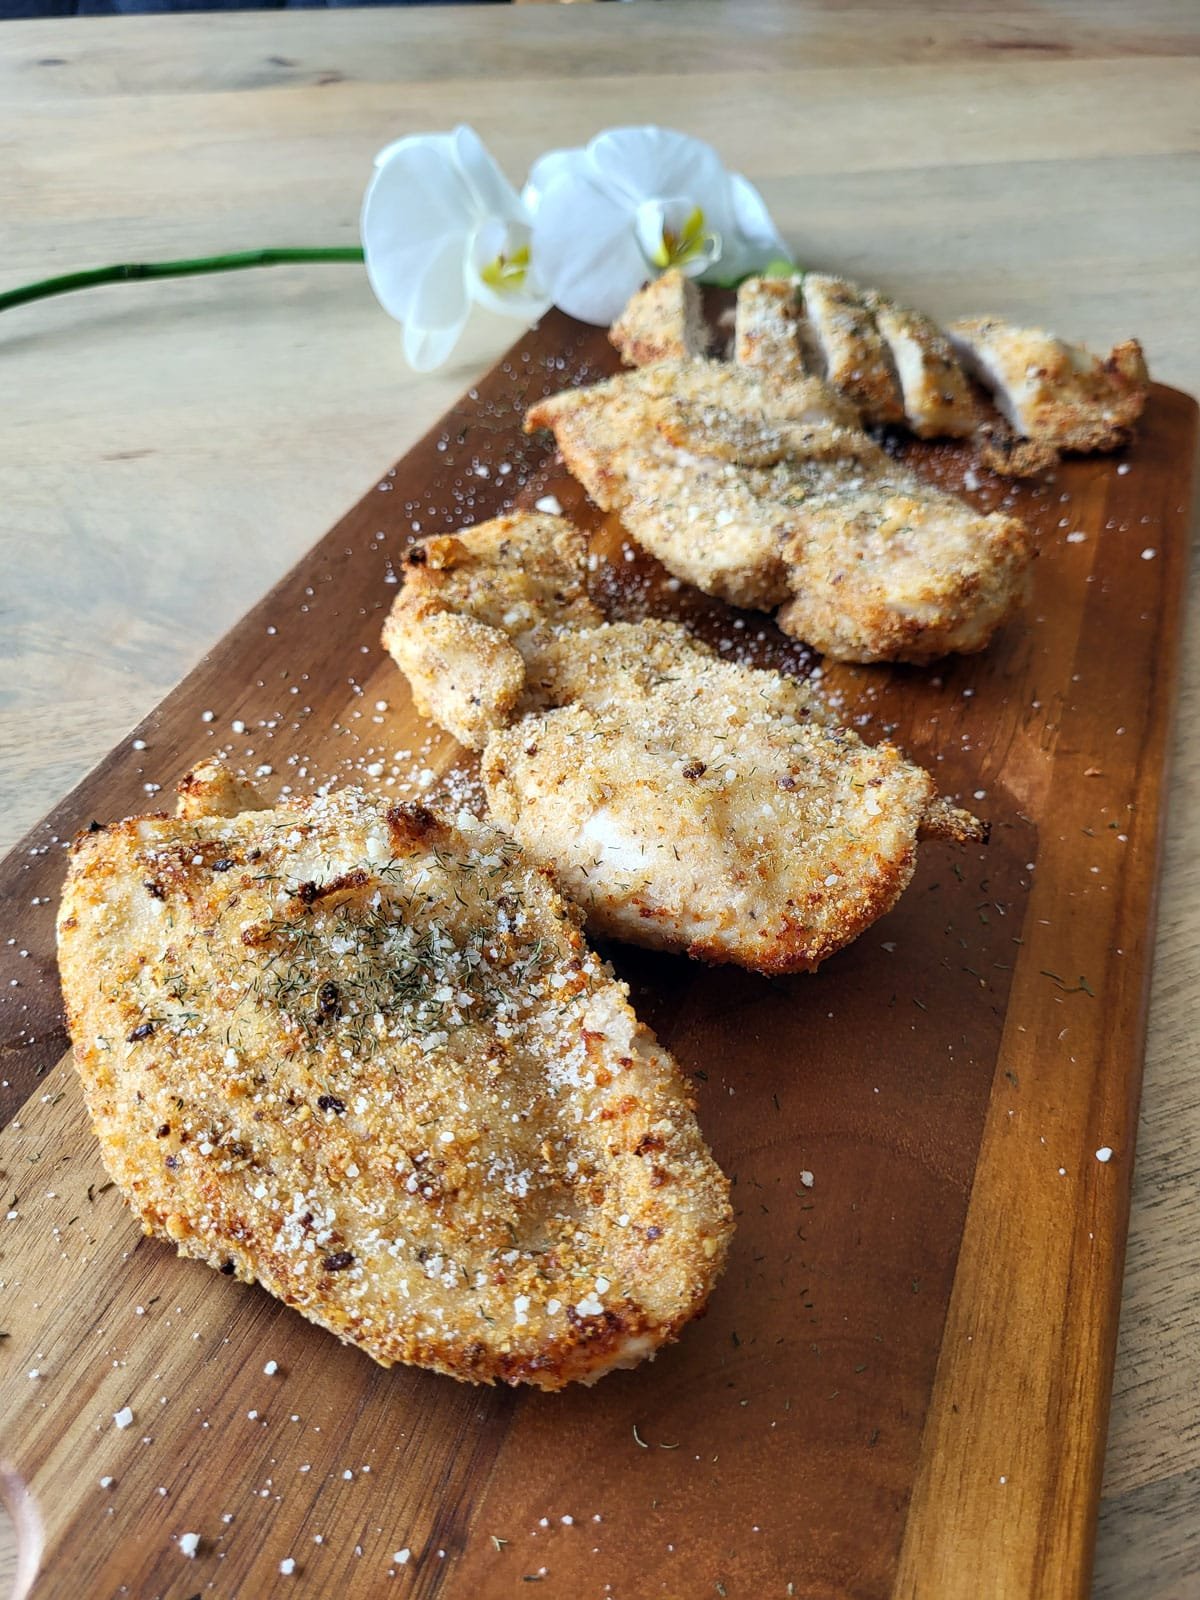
[[506, 272], [688, 244]]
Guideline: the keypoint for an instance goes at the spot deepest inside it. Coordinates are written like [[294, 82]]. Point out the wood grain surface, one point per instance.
[[945, 1083], [169, 449]]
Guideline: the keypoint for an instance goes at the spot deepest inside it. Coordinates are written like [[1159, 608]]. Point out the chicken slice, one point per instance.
[[737, 485], [1055, 393], [855, 357], [471, 617], [937, 396], [698, 805], [662, 322], [362, 1055], [768, 327]]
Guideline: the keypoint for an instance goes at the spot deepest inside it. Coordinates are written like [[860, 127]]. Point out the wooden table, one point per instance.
[[169, 449]]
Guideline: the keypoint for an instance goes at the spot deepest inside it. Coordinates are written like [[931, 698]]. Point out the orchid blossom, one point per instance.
[[634, 202], [441, 227]]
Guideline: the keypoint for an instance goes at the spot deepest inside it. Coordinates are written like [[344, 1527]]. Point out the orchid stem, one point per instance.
[[132, 271]]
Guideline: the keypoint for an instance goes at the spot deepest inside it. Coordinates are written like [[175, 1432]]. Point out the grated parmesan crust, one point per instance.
[[363, 1056]]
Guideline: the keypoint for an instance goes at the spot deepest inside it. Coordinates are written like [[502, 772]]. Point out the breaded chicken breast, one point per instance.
[[632, 443], [662, 322], [766, 495], [1052, 392], [689, 803], [936, 393], [362, 1055], [699, 805]]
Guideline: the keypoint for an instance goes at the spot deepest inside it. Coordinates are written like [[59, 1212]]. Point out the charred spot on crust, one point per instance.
[[228, 1267], [155, 890], [224, 864], [95, 827], [694, 770], [338, 1261], [417, 556], [410, 823], [142, 1031], [329, 1007], [331, 1102], [647, 1144], [163, 1131], [307, 893]]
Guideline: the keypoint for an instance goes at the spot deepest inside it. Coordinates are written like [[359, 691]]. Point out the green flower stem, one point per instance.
[[133, 271]]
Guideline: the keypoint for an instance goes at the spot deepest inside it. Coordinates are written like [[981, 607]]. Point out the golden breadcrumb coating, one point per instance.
[[662, 322], [699, 805], [763, 495], [362, 1055], [1055, 393]]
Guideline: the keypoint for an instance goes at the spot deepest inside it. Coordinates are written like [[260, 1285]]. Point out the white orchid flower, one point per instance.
[[634, 202], [441, 227]]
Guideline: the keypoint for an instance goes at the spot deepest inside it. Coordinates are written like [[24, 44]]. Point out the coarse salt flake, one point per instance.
[[287, 1566], [401, 1557], [271, 1368], [124, 1417], [1104, 1153], [549, 503], [806, 1178], [189, 1543]]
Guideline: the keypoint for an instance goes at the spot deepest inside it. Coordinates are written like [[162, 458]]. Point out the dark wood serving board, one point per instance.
[[901, 1386]]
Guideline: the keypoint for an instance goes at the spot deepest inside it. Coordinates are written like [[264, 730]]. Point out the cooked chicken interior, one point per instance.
[[694, 804], [1053, 392], [362, 1055], [662, 322], [762, 494]]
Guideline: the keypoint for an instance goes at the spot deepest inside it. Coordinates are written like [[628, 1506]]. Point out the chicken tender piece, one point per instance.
[[698, 805], [1055, 393], [937, 396], [362, 1055], [688, 803], [768, 328], [856, 359], [748, 490], [662, 322], [472, 617]]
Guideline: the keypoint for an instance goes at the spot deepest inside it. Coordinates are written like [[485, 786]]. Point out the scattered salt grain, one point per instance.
[[401, 1556], [106, 1482], [549, 503], [189, 1543], [287, 1566], [806, 1178], [207, 716], [124, 1417], [1149, 554], [1104, 1153], [271, 1368]]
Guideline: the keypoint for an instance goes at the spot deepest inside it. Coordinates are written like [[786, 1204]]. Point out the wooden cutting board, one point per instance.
[[901, 1385]]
